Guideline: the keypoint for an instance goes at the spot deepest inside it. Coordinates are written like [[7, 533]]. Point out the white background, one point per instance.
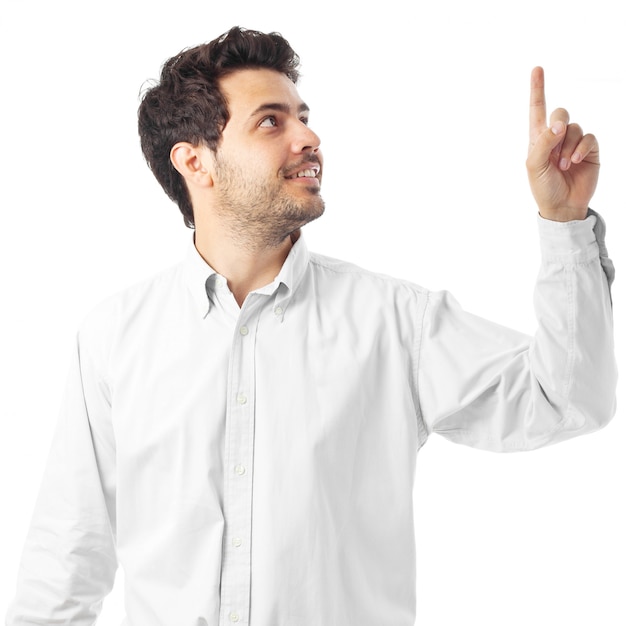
[[422, 111]]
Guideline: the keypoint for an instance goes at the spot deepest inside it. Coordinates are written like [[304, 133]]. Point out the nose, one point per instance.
[[304, 139]]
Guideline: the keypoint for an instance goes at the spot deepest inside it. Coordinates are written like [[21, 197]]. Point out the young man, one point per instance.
[[240, 432]]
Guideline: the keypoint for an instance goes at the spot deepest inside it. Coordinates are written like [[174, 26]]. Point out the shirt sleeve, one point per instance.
[[493, 388], [68, 563]]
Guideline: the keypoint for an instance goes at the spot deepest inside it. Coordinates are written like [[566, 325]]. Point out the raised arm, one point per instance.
[[490, 387]]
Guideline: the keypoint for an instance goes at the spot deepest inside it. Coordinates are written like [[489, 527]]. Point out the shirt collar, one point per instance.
[[201, 277], [198, 274], [289, 277], [295, 264]]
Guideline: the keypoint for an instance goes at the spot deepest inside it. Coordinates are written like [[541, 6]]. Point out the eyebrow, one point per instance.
[[278, 106]]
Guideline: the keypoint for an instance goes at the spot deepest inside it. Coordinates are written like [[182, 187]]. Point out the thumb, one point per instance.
[[545, 145]]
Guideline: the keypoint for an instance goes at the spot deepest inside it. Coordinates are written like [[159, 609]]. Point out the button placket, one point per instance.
[[239, 456]]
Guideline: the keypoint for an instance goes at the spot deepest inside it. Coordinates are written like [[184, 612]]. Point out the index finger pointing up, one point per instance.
[[537, 103]]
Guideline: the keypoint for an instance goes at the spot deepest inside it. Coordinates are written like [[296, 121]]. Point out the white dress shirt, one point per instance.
[[256, 465]]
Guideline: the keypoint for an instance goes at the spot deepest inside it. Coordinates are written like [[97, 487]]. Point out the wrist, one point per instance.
[[563, 214]]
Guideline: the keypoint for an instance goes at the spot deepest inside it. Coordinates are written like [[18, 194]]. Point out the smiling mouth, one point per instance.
[[308, 172]]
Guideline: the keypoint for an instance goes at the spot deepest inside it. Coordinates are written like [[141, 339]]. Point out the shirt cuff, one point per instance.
[[577, 241], [568, 242]]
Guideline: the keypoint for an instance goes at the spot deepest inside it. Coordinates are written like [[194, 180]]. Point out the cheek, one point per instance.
[[253, 162]]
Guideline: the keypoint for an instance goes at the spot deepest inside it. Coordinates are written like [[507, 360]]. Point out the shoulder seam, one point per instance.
[[345, 267]]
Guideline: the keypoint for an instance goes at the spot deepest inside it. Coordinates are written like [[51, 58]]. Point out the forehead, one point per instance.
[[245, 90]]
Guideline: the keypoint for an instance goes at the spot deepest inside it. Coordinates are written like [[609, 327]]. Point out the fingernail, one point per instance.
[[563, 164], [558, 128], [577, 157]]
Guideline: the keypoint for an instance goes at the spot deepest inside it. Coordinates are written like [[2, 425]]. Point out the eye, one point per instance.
[[268, 122], [305, 120]]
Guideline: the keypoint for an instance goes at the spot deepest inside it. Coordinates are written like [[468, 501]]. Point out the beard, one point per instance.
[[262, 213]]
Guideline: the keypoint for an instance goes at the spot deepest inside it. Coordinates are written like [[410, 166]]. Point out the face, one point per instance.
[[268, 167]]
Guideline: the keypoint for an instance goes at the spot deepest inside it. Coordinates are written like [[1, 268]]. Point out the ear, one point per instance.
[[194, 163]]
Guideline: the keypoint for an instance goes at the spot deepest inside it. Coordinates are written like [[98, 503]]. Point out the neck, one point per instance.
[[246, 267]]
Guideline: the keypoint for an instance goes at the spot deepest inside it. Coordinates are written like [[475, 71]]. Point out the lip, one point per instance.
[[307, 181], [316, 167]]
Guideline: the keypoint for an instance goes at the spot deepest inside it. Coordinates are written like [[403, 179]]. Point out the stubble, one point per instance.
[[261, 214]]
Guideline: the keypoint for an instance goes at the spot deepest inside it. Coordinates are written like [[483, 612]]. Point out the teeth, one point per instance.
[[306, 173]]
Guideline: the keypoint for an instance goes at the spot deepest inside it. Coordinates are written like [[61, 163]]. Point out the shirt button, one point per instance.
[[219, 282], [237, 542], [278, 311], [240, 470], [242, 398], [234, 617], [243, 330]]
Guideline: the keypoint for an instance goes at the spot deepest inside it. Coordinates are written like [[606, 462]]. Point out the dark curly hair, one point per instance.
[[187, 105]]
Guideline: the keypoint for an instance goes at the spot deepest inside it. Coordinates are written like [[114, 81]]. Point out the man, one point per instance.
[[240, 432]]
